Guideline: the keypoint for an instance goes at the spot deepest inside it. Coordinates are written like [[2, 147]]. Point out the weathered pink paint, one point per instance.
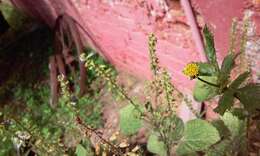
[[219, 14], [122, 29], [119, 28]]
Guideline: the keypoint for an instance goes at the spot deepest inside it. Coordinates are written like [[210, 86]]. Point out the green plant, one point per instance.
[[167, 131], [239, 100], [51, 130], [213, 80]]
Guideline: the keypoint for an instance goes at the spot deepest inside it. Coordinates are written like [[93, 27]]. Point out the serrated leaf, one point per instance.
[[174, 127], [198, 135], [202, 91], [225, 102], [130, 120], [206, 69], [249, 96], [177, 131], [237, 128], [222, 128], [239, 80], [226, 67], [210, 47], [227, 64], [156, 146], [227, 99], [232, 122], [81, 151], [241, 113], [219, 149]]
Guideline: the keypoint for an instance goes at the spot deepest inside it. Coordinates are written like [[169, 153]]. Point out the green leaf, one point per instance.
[[219, 149], [228, 63], [156, 146], [239, 80], [249, 96], [210, 48], [198, 135], [227, 99], [178, 128], [13, 16], [226, 67], [225, 102], [238, 131], [203, 91], [241, 113], [222, 128], [173, 128], [206, 69], [130, 120], [233, 123], [81, 151]]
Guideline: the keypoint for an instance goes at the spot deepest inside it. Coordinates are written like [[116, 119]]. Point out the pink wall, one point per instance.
[[122, 29], [119, 29]]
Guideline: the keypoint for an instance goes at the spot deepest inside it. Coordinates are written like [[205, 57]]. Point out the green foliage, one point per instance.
[[156, 146], [221, 127], [206, 69], [233, 134], [234, 140], [84, 149], [81, 151], [219, 149], [225, 102], [226, 67], [130, 120], [177, 128], [249, 96], [168, 132], [212, 81], [227, 99], [235, 125], [210, 48], [14, 17], [203, 91], [198, 135], [45, 124], [239, 80]]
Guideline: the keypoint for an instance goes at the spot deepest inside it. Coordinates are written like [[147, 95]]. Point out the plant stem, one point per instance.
[[209, 83], [91, 130]]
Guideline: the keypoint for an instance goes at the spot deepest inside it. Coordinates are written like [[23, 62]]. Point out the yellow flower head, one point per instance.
[[191, 70]]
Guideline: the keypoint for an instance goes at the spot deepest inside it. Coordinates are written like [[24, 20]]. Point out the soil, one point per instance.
[[111, 107]]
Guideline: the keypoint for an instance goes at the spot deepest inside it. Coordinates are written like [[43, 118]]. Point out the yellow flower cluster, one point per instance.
[[191, 70]]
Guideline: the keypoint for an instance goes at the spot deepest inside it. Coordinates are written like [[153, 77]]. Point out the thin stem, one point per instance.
[[209, 83], [91, 130]]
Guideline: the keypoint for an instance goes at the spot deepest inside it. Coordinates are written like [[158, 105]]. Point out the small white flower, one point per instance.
[[17, 142], [73, 103], [23, 135], [82, 57]]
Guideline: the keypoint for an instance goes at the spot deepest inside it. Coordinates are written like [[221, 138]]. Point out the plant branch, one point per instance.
[[209, 83]]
